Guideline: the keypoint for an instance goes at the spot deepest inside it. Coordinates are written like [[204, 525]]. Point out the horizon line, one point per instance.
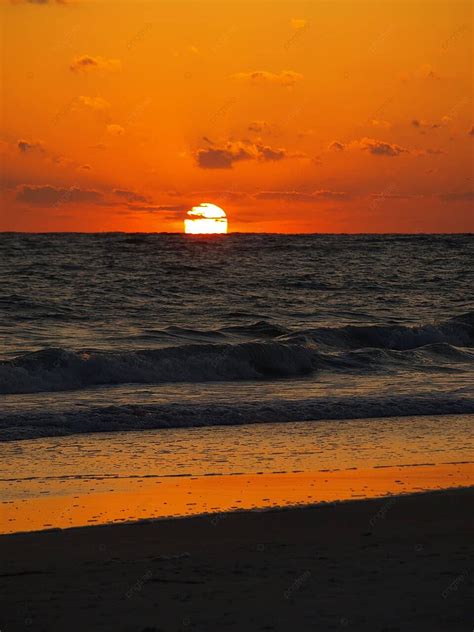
[[191, 236]]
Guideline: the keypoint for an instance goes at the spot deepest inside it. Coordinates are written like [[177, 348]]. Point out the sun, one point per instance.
[[205, 219]]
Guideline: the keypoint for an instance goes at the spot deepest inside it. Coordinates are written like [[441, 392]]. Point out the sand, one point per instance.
[[395, 563]]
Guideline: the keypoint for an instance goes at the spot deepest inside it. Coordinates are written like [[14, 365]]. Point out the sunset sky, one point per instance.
[[292, 116]]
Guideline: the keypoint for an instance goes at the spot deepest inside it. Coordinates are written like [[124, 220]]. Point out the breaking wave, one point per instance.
[[349, 348]]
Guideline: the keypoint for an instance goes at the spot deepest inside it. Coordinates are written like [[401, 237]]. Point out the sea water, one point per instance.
[[109, 332]]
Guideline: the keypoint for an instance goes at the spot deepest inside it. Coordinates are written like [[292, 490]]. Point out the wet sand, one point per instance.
[[152, 497], [394, 563]]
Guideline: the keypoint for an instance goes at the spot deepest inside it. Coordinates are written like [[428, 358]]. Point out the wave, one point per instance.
[[33, 425], [458, 331], [349, 348]]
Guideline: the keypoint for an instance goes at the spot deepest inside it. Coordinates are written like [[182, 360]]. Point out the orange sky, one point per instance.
[[340, 116]]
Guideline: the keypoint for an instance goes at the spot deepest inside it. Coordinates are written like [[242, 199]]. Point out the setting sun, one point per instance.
[[205, 219]]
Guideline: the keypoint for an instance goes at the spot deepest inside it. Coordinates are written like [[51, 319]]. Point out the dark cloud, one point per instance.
[[26, 146], [46, 195], [38, 2], [433, 152], [161, 208], [267, 153], [215, 158], [224, 195], [85, 63], [471, 131], [380, 148], [234, 151], [337, 146], [426, 125], [394, 196], [464, 196], [302, 196], [259, 127], [130, 196]]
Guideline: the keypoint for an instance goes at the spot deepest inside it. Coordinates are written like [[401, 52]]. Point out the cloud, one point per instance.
[[175, 211], [267, 153], [421, 124], [471, 131], [26, 146], [85, 63], [94, 103], [225, 156], [302, 196], [130, 196], [46, 195], [229, 194], [259, 127], [430, 152], [386, 195], [380, 148], [337, 146], [425, 71], [43, 2], [464, 196], [286, 78], [380, 123], [298, 23], [115, 130], [218, 158]]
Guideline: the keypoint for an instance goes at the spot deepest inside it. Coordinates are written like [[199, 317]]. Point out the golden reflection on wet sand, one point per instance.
[[153, 498]]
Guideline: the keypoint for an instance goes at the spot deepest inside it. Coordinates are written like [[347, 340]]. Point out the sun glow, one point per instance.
[[205, 219]]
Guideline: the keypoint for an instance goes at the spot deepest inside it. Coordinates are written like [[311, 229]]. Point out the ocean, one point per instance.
[[112, 332]]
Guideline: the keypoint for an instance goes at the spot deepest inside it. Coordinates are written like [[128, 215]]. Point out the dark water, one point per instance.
[[112, 331]]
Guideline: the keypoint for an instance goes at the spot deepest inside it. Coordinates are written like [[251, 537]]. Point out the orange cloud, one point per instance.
[[298, 23], [115, 130], [86, 63], [286, 78], [94, 103]]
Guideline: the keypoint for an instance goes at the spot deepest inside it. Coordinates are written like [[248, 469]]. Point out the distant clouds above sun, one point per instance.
[[302, 117]]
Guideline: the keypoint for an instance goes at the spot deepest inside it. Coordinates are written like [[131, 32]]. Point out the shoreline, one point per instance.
[[392, 563], [100, 501]]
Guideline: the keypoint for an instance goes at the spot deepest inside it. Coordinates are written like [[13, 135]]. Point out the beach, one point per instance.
[[236, 316], [398, 563]]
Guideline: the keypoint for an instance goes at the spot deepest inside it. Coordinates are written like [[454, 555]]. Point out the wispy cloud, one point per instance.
[[460, 196], [285, 78], [303, 196], [130, 196], [94, 103], [47, 195]]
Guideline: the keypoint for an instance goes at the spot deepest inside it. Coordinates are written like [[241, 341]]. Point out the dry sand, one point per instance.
[[398, 563]]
